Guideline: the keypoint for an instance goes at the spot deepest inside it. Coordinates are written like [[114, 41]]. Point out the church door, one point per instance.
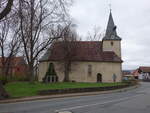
[[99, 77]]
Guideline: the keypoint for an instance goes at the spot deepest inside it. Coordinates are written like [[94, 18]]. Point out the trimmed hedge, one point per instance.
[[80, 90]]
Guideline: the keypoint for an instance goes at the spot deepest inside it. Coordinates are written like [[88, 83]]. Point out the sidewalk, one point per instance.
[[65, 95]]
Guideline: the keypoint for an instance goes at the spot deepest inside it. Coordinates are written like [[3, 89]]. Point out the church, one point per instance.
[[96, 61]]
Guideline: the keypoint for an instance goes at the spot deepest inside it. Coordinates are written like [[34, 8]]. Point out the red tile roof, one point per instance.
[[144, 69], [84, 51], [15, 61], [135, 72]]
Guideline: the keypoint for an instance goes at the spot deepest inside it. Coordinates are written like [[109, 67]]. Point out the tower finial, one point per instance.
[[110, 7]]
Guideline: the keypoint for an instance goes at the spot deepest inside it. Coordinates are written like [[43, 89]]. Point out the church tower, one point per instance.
[[111, 41]]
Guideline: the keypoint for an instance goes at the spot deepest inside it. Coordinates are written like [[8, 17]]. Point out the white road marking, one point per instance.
[[78, 107], [65, 112]]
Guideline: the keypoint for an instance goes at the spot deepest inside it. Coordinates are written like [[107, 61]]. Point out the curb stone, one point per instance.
[[34, 98]]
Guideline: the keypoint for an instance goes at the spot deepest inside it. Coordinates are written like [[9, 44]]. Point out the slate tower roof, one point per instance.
[[111, 33]]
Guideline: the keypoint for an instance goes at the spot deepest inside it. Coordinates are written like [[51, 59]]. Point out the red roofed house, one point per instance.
[[144, 73], [18, 66], [95, 61]]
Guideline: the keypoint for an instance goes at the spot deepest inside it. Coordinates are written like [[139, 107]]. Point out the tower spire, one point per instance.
[[111, 32]]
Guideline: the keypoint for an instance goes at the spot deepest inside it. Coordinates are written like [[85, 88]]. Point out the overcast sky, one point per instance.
[[132, 18]]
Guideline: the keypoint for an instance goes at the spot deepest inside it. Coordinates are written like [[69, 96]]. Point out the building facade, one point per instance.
[[94, 61], [17, 66]]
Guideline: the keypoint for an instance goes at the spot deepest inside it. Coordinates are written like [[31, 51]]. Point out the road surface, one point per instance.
[[132, 101]]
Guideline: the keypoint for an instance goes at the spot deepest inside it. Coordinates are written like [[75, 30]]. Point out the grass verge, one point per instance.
[[25, 89]]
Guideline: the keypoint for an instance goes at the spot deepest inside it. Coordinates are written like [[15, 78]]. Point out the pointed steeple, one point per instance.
[[111, 33]]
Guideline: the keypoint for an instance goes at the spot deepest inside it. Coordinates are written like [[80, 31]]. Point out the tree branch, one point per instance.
[[7, 9]]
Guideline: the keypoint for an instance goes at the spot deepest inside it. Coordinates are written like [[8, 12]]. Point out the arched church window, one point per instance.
[[89, 70]]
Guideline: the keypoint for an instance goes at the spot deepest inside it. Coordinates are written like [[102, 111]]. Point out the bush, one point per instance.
[[50, 72], [3, 80]]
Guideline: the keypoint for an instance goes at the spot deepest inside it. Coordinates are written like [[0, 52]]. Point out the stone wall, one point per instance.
[[79, 71]]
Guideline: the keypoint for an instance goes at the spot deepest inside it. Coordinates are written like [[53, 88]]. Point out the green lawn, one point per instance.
[[23, 89]]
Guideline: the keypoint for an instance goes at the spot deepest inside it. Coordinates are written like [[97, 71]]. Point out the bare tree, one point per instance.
[[95, 35], [68, 44], [9, 45], [38, 20], [5, 12]]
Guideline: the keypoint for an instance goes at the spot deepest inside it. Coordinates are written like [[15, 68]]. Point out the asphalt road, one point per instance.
[[132, 101]]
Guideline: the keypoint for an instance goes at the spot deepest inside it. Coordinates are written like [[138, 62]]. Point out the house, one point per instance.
[[17, 67], [136, 73], [144, 73], [95, 61]]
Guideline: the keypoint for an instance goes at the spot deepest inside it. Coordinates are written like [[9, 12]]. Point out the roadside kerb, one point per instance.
[[66, 95]]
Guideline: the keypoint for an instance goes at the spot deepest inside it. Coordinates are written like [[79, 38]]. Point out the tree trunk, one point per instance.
[[66, 72], [4, 75], [3, 93], [31, 73]]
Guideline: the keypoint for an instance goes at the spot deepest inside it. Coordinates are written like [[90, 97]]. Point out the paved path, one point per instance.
[[132, 101]]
